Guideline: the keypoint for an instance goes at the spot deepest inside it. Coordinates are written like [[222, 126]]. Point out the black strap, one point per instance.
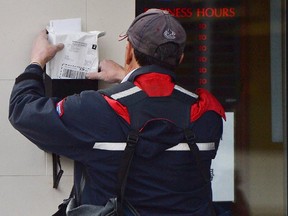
[[191, 140], [130, 98], [184, 97], [116, 88], [123, 172], [56, 174], [124, 168]]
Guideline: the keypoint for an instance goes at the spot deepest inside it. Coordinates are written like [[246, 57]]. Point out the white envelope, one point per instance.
[[80, 54]]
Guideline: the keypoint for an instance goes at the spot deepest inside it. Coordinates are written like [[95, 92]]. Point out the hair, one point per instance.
[[167, 55]]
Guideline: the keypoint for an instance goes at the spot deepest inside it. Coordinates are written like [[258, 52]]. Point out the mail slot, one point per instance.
[[64, 87]]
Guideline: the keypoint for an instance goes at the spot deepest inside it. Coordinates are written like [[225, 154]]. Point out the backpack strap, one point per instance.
[[130, 95], [184, 95], [124, 168], [190, 138], [57, 170], [123, 91], [126, 93]]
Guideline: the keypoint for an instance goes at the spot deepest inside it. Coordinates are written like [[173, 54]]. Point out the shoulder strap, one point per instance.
[[117, 88], [126, 93], [190, 138], [57, 172], [124, 168], [184, 95]]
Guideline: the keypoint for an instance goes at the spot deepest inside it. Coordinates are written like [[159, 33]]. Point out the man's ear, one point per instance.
[[129, 53]]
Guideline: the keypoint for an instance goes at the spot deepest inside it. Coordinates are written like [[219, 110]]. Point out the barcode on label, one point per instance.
[[73, 74]]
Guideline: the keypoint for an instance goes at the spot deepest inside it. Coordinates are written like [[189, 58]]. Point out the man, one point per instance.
[[90, 127]]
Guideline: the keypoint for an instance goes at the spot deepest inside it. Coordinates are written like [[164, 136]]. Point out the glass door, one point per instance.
[[237, 50]]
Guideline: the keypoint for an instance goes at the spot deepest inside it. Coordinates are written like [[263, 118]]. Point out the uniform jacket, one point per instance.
[[90, 128]]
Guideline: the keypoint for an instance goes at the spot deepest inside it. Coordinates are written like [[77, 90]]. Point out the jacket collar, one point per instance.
[[149, 69]]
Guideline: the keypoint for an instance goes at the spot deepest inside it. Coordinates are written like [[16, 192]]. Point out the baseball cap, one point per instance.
[[153, 28]]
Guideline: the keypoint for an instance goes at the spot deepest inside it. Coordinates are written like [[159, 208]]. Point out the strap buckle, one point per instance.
[[132, 138], [189, 135]]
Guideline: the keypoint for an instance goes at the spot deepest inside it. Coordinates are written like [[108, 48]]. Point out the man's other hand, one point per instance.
[[42, 50], [109, 71]]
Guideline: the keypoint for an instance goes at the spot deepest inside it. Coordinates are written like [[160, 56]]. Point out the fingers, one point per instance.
[[43, 51], [44, 33], [94, 75], [110, 72]]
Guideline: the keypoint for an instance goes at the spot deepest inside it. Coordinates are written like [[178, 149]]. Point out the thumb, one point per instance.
[[51, 52], [59, 47]]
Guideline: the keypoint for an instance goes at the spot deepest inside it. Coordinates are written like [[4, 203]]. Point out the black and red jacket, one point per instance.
[[91, 128]]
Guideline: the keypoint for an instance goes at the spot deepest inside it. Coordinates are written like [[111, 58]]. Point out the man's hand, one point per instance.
[[110, 72], [43, 51]]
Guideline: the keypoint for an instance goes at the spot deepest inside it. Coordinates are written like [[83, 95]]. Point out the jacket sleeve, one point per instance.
[[207, 115], [34, 115]]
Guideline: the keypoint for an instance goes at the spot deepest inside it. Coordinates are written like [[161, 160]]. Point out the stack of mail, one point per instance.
[[80, 54]]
